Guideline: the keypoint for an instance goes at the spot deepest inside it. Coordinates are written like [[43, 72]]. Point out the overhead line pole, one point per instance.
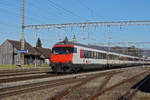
[[22, 35]]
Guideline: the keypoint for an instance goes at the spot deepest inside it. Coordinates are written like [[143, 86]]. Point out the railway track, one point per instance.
[[15, 77], [66, 92], [16, 90], [22, 73], [16, 70], [104, 90], [23, 78], [102, 87], [79, 80], [131, 92], [21, 70]]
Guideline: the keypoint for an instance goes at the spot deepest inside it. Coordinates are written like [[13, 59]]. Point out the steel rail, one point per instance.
[[118, 84], [19, 89], [102, 86], [23, 78], [16, 71], [130, 93], [66, 92], [16, 90], [23, 73]]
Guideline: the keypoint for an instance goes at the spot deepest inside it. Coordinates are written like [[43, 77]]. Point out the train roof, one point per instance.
[[83, 45], [102, 48]]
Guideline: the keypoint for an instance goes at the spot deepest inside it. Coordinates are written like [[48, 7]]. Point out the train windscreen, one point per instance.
[[63, 50]]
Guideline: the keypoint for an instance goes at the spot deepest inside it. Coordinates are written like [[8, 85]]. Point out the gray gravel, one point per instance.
[[41, 94], [26, 75], [4, 85], [86, 89]]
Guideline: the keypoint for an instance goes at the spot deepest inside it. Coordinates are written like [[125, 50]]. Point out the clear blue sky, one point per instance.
[[68, 11]]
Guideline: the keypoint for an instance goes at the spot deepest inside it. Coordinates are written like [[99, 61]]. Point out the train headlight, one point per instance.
[[53, 62], [68, 62]]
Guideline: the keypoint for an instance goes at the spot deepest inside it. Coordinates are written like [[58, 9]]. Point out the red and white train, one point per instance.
[[72, 57]]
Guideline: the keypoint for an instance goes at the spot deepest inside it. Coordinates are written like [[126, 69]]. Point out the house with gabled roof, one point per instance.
[[9, 54], [44, 54]]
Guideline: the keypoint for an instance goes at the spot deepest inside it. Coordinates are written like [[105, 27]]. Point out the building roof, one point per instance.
[[44, 51], [17, 45]]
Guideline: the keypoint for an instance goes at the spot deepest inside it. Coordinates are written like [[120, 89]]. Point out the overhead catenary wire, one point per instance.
[[8, 32], [66, 10], [59, 9], [50, 6], [16, 12], [39, 11], [90, 10], [85, 24]]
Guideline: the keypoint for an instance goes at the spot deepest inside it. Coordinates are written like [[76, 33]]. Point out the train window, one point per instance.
[[95, 56], [74, 50], [92, 54], [117, 58], [121, 58], [98, 55], [111, 57], [89, 54], [101, 56], [85, 54], [135, 59], [114, 57], [129, 59]]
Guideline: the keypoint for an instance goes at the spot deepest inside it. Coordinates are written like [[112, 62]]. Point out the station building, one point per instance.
[[9, 54]]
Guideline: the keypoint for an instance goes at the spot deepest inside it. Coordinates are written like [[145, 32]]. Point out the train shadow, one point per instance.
[[144, 87]]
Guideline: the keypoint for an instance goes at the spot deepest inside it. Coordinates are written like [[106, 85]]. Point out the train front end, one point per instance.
[[61, 58]]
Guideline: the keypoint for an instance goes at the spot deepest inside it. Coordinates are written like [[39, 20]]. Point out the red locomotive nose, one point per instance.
[[61, 58], [62, 54]]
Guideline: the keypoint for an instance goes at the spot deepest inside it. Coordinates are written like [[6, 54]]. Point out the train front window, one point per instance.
[[62, 50]]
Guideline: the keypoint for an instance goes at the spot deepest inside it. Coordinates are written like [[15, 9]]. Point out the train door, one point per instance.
[[107, 58], [75, 55]]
